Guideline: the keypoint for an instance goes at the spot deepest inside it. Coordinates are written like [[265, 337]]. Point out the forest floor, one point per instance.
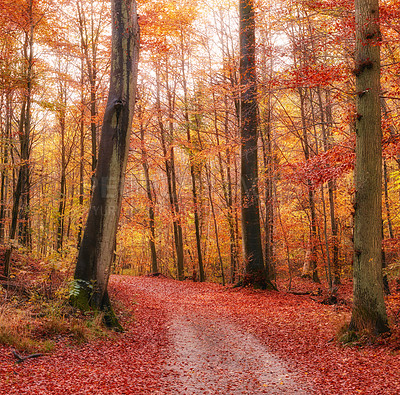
[[201, 338]]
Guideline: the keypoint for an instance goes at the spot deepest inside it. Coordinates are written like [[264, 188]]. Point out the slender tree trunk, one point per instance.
[[328, 254], [97, 248], [82, 156], [25, 139], [369, 311], [266, 139], [5, 171], [387, 204], [89, 44], [145, 164], [15, 207], [168, 152], [192, 166], [93, 119], [227, 186], [63, 180], [310, 263], [269, 200], [326, 122], [173, 190], [210, 197]]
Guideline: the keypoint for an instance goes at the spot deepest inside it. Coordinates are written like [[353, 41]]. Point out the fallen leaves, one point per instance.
[[296, 329]]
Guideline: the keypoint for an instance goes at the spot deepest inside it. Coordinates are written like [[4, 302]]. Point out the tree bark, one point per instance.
[[89, 44], [256, 272], [369, 310], [168, 152], [97, 248], [149, 192], [25, 138], [192, 165], [82, 156], [4, 171], [310, 264], [63, 176]]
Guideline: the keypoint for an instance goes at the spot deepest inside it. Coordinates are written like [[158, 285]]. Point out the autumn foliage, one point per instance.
[[182, 200]]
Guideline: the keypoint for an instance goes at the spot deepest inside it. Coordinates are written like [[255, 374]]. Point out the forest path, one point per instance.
[[200, 338], [209, 353]]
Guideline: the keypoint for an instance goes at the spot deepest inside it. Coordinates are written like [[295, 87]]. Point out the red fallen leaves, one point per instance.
[[129, 364], [295, 328], [299, 330]]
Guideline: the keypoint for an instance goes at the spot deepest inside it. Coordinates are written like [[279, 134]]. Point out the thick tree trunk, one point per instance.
[[369, 311], [256, 272], [97, 248]]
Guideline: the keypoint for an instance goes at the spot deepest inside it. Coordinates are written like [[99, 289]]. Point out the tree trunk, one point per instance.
[[256, 272], [63, 178], [149, 192], [89, 44], [369, 310], [326, 122], [97, 248], [387, 205], [4, 170], [310, 263], [192, 165], [25, 139], [81, 162], [168, 152], [269, 189]]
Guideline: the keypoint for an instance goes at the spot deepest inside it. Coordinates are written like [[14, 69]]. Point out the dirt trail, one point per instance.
[[211, 354], [190, 338], [187, 339]]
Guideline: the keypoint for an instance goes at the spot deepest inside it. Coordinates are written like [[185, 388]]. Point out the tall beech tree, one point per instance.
[[256, 272], [97, 248], [22, 193], [149, 191], [369, 311]]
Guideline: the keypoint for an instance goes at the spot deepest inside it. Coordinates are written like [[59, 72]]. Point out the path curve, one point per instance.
[[211, 354]]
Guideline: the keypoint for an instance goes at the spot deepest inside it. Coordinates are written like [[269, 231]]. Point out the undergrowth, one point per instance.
[[35, 316]]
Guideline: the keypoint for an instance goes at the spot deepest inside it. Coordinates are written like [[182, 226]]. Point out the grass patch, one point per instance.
[[33, 321]]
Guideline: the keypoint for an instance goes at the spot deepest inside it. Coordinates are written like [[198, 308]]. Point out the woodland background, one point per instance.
[[184, 166]]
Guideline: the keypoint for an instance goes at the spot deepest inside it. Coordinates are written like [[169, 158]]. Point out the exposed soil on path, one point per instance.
[[210, 353]]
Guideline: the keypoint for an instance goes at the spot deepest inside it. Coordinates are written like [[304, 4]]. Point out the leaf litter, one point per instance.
[[202, 338]]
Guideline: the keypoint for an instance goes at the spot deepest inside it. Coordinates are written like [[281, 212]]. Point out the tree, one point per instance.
[[97, 248], [369, 311], [149, 192], [90, 36], [256, 273], [22, 193]]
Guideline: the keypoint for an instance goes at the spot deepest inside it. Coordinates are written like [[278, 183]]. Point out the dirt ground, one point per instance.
[[211, 354], [201, 338]]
